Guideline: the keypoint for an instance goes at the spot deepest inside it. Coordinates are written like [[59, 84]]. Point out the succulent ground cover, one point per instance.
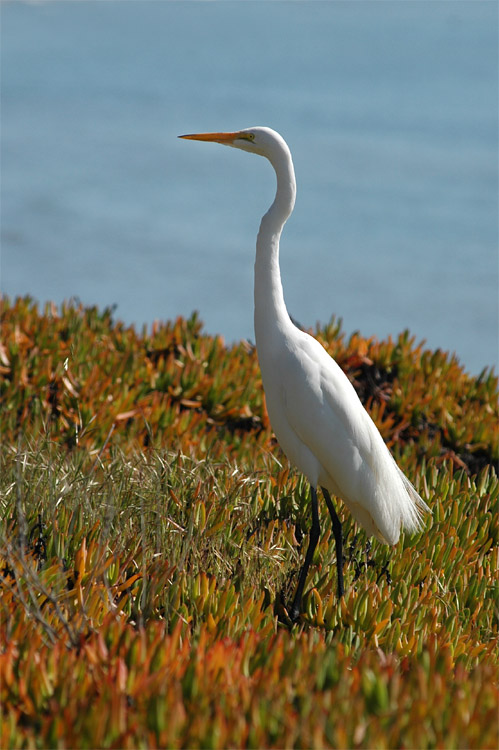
[[152, 533]]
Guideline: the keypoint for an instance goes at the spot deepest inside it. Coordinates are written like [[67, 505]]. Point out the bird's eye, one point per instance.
[[250, 136]]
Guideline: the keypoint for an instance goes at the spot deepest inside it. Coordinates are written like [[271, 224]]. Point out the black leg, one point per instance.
[[312, 544], [338, 537]]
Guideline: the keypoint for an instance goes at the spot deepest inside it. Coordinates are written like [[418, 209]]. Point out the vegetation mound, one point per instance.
[[152, 532]]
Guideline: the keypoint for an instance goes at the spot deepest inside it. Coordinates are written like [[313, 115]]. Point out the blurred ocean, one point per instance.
[[390, 110]]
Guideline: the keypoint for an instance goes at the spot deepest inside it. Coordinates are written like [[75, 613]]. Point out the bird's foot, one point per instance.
[[294, 614], [384, 572], [286, 616]]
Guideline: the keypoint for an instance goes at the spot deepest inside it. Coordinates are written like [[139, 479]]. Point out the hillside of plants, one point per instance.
[[152, 533]]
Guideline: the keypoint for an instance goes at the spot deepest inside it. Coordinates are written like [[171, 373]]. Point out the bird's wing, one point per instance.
[[323, 408]]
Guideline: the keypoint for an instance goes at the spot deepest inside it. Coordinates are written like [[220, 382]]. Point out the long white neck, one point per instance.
[[270, 310]]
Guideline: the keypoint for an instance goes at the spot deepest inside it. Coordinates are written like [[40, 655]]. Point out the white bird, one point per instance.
[[314, 410]]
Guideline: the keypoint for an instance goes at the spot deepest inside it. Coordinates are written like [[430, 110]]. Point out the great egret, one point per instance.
[[314, 410]]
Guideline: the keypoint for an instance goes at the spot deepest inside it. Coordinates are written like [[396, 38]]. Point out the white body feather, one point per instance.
[[314, 410]]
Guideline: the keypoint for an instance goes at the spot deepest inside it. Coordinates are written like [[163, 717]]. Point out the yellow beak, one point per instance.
[[216, 137]]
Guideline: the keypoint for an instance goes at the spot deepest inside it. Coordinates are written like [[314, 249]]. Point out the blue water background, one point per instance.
[[390, 110]]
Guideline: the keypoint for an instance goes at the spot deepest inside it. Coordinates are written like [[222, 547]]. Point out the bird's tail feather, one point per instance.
[[420, 507]]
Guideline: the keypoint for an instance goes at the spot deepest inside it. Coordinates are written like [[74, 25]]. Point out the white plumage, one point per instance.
[[314, 410]]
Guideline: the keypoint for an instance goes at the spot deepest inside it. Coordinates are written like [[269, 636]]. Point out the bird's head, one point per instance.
[[258, 140]]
